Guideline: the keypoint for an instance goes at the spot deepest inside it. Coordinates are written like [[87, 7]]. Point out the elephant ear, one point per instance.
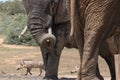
[[26, 4]]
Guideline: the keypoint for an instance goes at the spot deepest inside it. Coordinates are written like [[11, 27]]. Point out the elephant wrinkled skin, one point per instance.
[[94, 24], [51, 14]]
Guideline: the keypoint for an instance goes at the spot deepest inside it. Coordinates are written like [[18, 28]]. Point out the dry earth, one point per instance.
[[11, 55]]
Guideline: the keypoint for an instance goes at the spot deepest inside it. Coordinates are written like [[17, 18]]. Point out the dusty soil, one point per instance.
[[16, 77], [11, 55]]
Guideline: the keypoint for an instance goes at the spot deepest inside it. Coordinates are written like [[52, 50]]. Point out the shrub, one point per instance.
[[12, 7], [11, 26], [27, 39], [12, 22]]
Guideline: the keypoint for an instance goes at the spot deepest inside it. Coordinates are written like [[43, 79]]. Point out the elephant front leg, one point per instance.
[[51, 62], [98, 73], [52, 67], [111, 64], [109, 58]]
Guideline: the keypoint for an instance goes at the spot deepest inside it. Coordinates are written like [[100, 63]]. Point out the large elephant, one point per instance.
[[49, 24], [94, 22], [44, 15]]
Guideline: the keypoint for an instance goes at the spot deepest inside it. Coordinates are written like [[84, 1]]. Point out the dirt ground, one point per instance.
[[11, 55]]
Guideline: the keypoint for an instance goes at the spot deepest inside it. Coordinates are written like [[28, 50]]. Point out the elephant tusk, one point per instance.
[[23, 31], [49, 30]]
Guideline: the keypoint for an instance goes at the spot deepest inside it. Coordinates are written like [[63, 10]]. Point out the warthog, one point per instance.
[[29, 64]]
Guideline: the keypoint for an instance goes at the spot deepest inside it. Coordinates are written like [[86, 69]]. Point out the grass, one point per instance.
[[11, 56]]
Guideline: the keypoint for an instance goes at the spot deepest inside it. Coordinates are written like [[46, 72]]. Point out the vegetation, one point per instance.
[[12, 22]]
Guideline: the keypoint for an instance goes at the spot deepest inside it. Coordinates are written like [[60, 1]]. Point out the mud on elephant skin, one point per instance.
[[49, 24], [94, 21]]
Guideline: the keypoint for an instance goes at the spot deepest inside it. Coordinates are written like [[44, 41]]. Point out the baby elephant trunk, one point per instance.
[[48, 40]]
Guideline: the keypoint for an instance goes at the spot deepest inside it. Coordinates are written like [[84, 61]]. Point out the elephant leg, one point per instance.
[[111, 64], [51, 67], [109, 58], [98, 73], [92, 39], [79, 39], [89, 60], [51, 58]]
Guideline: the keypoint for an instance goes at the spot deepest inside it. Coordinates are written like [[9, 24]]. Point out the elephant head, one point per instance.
[[40, 19]]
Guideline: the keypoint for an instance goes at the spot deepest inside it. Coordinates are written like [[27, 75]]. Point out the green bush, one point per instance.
[[12, 22], [11, 27], [12, 7], [27, 39]]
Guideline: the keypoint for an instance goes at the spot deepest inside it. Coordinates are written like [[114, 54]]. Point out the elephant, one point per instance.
[[104, 52], [95, 24], [49, 24]]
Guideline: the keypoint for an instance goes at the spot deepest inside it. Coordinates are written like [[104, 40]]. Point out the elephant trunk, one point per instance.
[[48, 40], [41, 29]]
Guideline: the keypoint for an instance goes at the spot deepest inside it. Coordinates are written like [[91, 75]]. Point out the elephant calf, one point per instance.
[[29, 64]]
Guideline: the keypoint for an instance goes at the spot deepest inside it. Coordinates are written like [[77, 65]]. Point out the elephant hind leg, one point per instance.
[[111, 64], [109, 58], [98, 73]]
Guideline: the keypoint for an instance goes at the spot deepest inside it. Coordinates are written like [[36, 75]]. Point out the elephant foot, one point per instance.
[[51, 77]]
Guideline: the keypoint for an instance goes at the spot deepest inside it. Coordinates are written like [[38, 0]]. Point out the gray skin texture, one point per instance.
[[95, 24], [60, 30], [43, 14], [29, 64], [105, 52]]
